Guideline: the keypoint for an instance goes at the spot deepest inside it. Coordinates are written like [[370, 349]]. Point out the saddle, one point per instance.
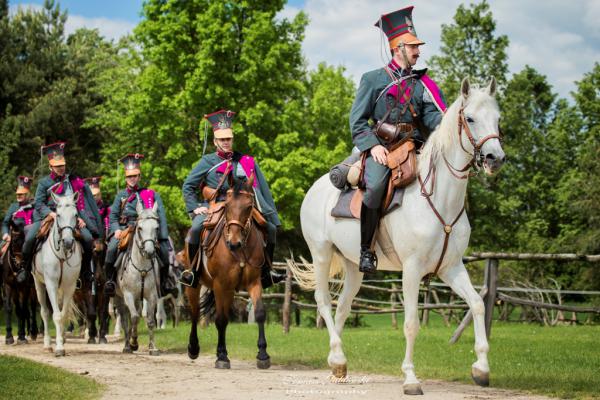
[[45, 228], [126, 238]]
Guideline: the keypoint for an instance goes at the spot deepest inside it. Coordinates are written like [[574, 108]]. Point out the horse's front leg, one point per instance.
[[102, 318], [44, 312], [57, 317], [134, 318], [411, 278], [223, 299], [91, 316], [151, 322], [22, 311], [458, 279], [193, 295], [33, 332], [8, 314], [263, 361]]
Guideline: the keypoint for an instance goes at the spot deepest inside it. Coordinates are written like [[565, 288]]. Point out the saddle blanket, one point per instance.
[[349, 202]]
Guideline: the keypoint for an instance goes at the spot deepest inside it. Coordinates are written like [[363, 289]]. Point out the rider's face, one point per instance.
[[412, 53], [132, 180], [59, 169], [21, 197], [224, 144]]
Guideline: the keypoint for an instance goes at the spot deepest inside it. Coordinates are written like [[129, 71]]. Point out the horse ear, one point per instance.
[[465, 87], [155, 207], [138, 207], [75, 197], [492, 86]]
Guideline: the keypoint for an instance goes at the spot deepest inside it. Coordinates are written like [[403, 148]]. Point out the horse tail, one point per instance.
[[208, 304], [304, 273], [73, 313]]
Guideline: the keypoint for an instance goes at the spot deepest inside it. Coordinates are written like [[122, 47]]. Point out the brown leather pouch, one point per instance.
[[392, 133], [258, 218], [402, 160], [126, 236], [45, 227], [215, 213]]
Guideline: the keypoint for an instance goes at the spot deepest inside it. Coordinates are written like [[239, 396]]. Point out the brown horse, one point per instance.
[[21, 295], [231, 264], [91, 300]]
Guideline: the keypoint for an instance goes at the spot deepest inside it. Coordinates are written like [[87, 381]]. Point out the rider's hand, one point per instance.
[[118, 234], [80, 223], [380, 153], [5, 237], [52, 214], [200, 210]]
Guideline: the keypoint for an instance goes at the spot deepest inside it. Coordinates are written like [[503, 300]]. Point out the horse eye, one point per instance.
[[470, 120]]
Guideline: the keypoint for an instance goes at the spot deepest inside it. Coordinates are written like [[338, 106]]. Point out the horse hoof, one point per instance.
[[127, 350], [220, 364], [193, 352], [263, 364], [92, 340], [135, 347], [22, 341], [154, 352], [339, 371], [33, 338], [413, 389], [59, 353], [9, 340], [102, 340], [481, 378]]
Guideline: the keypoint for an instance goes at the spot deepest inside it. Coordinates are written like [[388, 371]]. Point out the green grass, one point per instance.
[[24, 379], [561, 361]]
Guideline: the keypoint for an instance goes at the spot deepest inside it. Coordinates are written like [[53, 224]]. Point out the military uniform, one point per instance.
[[395, 96], [123, 214], [209, 172], [103, 209]]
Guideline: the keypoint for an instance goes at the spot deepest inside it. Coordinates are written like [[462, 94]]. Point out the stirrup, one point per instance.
[[187, 278], [368, 262], [110, 288]]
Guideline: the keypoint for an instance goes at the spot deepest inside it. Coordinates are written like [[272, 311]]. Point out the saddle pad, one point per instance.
[[348, 204]]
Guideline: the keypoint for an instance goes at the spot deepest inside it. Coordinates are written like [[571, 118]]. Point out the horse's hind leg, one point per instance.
[[91, 317], [134, 318], [151, 322], [411, 279], [33, 331], [458, 279], [263, 361], [123, 312], [8, 314]]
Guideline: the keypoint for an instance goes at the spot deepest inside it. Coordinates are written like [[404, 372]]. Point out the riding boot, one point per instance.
[[109, 286], [86, 271], [369, 219], [24, 271], [166, 285], [188, 276], [268, 277]]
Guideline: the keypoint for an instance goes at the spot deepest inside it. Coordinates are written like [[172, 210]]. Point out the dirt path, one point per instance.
[[175, 376]]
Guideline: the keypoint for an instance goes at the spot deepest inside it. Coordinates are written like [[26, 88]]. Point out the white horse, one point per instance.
[[56, 269], [412, 237], [138, 279]]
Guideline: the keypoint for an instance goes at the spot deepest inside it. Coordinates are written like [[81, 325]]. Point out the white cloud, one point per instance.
[[111, 29], [557, 40]]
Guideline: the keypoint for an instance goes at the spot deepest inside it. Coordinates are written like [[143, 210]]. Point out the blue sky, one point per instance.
[[560, 40]]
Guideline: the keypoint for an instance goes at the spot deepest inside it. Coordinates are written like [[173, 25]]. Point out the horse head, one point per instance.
[[66, 218], [17, 238], [238, 213], [146, 230], [478, 119]]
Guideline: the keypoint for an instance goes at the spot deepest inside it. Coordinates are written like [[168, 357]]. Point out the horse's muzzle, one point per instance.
[[492, 163], [68, 243], [233, 246]]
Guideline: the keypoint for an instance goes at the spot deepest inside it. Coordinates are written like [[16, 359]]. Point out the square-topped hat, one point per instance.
[[399, 28], [94, 184], [221, 122], [132, 164], [55, 153], [23, 184]]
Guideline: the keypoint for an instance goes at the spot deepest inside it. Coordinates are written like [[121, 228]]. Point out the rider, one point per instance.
[[395, 94], [61, 183], [123, 213], [209, 173], [103, 208], [20, 213]]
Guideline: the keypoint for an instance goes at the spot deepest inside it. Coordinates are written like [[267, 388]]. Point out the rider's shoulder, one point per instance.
[[375, 75]]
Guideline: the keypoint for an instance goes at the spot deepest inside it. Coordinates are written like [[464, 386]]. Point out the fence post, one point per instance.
[[394, 305], [287, 300], [490, 298]]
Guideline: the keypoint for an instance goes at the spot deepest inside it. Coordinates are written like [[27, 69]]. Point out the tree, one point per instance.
[[470, 48]]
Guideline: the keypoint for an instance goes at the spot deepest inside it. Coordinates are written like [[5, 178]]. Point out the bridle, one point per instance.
[[57, 242], [245, 227], [476, 161], [139, 241]]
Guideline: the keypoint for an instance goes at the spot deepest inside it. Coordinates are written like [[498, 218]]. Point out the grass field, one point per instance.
[[562, 361], [24, 379]]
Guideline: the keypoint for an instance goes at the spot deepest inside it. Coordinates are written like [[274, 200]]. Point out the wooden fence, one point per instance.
[[489, 291]]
